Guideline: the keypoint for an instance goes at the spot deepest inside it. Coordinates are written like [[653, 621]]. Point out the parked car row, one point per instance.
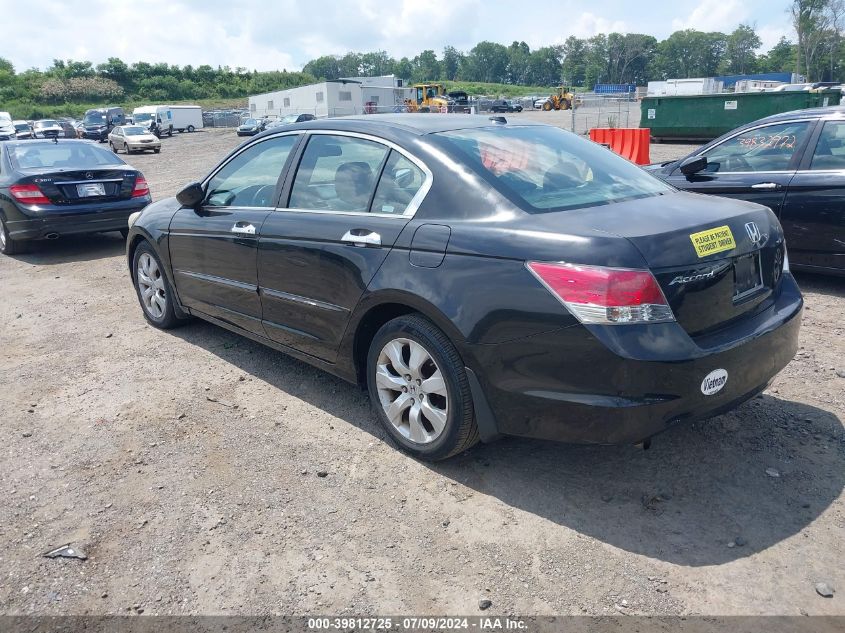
[[41, 128], [253, 126]]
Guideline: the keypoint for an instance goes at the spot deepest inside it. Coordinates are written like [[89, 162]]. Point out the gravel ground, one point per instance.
[[203, 473]]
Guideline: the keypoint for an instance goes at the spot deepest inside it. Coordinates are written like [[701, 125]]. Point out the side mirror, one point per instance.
[[191, 196], [693, 164]]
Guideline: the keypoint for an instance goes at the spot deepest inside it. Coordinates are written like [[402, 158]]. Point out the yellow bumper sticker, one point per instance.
[[713, 241]]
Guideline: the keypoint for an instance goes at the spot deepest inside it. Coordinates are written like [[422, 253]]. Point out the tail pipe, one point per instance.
[[52, 236]]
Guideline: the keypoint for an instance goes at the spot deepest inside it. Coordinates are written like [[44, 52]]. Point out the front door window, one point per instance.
[[768, 148], [250, 178]]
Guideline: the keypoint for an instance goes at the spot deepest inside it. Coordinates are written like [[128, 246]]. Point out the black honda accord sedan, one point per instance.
[[794, 163], [480, 278], [59, 187]]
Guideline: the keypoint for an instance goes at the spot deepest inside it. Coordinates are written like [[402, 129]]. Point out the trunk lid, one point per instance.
[[74, 187], [715, 259]]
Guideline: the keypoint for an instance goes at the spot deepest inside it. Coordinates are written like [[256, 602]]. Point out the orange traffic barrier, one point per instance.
[[632, 143]]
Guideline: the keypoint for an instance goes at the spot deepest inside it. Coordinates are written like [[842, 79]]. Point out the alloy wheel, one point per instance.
[[412, 390], [151, 286]]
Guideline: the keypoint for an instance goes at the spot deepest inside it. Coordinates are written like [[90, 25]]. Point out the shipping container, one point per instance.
[[691, 86], [604, 89], [704, 117]]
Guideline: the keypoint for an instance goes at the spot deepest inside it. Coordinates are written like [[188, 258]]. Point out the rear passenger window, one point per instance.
[[337, 173], [399, 183], [830, 150]]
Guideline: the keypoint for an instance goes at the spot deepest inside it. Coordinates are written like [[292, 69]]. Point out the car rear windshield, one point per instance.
[[60, 156], [543, 168]]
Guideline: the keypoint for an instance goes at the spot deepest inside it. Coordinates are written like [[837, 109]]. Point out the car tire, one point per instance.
[[156, 150], [405, 354], [153, 289], [126, 148], [8, 246], [113, 148], [191, 129], [169, 132]]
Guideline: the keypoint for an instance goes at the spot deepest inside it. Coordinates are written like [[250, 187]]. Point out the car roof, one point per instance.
[[36, 142], [808, 113], [413, 123]]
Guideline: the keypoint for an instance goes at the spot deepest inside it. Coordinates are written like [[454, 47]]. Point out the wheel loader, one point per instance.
[[563, 99], [427, 98]]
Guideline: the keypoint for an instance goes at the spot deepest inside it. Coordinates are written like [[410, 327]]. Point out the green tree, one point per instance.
[[325, 67], [780, 58], [376, 64], [425, 67], [451, 63], [740, 57], [690, 53], [574, 61], [519, 63], [487, 61], [544, 67]]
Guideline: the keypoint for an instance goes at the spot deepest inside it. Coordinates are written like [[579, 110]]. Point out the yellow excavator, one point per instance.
[[563, 99], [427, 98]]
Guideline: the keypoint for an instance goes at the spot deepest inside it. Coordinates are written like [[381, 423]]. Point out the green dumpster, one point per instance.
[[704, 117]]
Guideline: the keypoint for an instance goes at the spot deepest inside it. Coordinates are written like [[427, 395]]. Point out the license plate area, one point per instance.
[[748, 278], [90, 190]]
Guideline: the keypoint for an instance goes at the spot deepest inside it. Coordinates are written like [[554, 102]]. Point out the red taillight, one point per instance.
[[141, 187], [595, 294], [28, 194]]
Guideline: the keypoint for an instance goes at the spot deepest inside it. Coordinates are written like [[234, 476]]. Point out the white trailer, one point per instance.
[[161, 114], [186, 117]]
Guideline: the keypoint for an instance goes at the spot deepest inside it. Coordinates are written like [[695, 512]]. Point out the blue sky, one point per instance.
[[271, 34]]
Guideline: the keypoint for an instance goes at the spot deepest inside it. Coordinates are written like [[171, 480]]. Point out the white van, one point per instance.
[[7, 130], [161, 114], [186, 117]]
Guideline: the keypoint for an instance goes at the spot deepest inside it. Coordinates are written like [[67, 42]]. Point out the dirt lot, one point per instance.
[[187, 465]]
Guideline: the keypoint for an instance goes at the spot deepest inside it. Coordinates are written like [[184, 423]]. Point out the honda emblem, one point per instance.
[[754, 233]]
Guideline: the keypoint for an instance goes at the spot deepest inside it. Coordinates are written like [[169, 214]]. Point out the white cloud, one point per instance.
[[589, 24], [714, 15], [770, 35]]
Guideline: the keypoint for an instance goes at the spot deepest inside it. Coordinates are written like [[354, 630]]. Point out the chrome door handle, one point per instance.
[[359, 237], [243, 228], [765, 185]]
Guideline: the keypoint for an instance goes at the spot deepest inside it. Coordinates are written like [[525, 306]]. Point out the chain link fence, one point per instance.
[[591, 111], [596, 110]]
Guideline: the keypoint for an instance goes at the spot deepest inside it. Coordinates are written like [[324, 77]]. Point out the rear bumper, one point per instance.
[[141, 146], [76, 221], [569, 386]]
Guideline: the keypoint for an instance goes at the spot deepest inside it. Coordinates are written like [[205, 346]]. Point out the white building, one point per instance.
[[339, 97]]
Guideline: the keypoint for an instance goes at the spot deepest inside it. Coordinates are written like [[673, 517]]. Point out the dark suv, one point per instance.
[[98, 122]]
